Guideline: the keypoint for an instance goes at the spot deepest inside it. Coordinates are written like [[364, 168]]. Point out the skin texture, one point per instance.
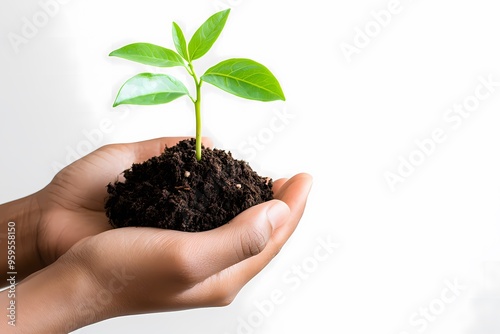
[[86, 272]]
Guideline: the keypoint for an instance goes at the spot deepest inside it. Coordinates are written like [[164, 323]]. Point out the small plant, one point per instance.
[[242, 77]]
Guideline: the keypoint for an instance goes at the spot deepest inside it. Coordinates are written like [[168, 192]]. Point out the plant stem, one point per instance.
[[197, 109]]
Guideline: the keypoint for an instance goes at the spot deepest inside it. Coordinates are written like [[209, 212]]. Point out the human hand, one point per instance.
[[71, 206], [138, 270], [156, 270], [73, 203]]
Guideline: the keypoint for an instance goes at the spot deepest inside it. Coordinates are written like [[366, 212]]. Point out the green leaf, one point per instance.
[[179, 41], [207, 34], [245, 78], [149, 54], [150, 89]]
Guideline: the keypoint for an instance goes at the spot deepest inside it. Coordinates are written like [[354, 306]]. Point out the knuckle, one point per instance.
[[223, 302], [223, 297], [185, 264], [252, 242]]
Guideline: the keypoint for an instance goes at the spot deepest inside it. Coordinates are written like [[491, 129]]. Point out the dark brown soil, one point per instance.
[[175, 191]]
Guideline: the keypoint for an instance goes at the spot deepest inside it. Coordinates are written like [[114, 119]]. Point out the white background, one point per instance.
[[351, 122]]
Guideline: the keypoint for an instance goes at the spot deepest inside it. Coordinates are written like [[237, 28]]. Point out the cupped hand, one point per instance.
[[142, 270], [92, 272], [72, 204]]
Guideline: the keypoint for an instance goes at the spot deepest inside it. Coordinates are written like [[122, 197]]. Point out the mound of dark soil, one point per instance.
[[175, 191]]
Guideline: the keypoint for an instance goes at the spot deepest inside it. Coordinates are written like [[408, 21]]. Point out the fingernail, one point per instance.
[[277, 214]]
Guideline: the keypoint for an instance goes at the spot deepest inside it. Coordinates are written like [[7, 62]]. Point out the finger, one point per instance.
[[243, 237], [284, 188], [277, 185], [295, 193]]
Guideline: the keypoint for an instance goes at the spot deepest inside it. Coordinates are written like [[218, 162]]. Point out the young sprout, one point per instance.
[[241, 77]]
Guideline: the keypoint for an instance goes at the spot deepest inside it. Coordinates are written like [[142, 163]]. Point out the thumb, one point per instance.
[[244, 236]]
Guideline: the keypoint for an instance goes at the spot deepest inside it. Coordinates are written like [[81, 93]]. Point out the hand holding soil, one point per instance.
[[84, 272]]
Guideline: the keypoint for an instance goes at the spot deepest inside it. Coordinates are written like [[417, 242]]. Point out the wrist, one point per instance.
[[56, 299], [19, 222]]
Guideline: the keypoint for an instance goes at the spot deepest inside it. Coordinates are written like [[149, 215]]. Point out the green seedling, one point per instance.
[[241, 77]]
